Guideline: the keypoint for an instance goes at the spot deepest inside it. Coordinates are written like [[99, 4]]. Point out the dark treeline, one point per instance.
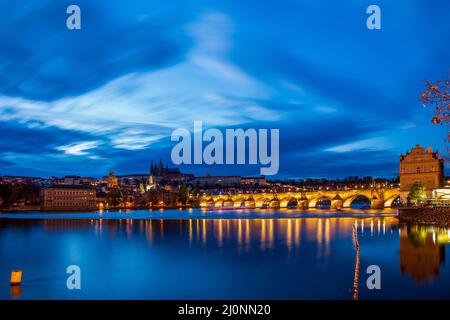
[[12, 194]]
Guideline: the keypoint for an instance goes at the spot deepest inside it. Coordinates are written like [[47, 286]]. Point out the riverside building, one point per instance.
[[68, 198], [425, 167]]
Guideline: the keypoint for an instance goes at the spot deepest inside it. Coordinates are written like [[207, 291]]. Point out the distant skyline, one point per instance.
[[108, 96]]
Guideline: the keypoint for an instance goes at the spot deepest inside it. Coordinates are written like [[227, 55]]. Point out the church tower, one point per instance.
[[113, 182], [151, 183]]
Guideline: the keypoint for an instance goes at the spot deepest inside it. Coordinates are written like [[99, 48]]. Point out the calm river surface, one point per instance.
[[198, 254]]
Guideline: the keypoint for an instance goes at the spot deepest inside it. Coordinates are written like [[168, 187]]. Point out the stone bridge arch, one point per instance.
[[239, 202], [249, 202], [348, 201], [268, 202], [218, 203], [261, 202], [274, 203], [207, 202], [389, 201], [289, 201], [336, 202], [228, 203], [312, 203]]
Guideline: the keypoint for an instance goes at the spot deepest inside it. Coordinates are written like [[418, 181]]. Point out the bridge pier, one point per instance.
[[303, 204], [337, 204], [377, 204]]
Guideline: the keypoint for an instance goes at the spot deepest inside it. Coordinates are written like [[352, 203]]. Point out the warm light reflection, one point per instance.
[[251, 234], [327, 237], [247, 234], [190, 231], [16, 291], [197, 229], [239, 233], [422, 251], [357, 264], [263, 234], [271, 233], [319, 237], [289, 234], [220, 235], [149, 230], [129, 227], [204, 231]]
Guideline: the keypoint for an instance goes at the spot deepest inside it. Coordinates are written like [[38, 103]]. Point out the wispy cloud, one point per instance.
[[78, 148], [371, 144], [137, 109], [106, 96], [134, 141], [325, 109]]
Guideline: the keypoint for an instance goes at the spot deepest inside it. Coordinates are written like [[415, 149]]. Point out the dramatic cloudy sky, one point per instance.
[[108, 96]]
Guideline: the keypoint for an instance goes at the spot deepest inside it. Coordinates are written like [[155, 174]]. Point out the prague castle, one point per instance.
[[420, 166]]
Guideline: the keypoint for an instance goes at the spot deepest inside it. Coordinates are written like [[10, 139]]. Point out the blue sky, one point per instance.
[[108, 96]]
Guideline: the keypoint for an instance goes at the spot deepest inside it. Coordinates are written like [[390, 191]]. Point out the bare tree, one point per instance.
[[437, 96]]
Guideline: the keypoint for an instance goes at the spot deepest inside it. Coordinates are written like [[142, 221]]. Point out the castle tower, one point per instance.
[[160, 168]]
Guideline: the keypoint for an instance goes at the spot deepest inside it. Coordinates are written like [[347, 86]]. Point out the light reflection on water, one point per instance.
[[205, 214], [290, 258]]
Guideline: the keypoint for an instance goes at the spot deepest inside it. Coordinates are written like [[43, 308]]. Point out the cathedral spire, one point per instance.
[[160, 167]]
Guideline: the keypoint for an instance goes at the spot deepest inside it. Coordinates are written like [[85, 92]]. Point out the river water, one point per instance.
[[242, 254]]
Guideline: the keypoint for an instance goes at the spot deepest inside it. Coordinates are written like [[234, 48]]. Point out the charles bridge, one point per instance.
[[379, 198]]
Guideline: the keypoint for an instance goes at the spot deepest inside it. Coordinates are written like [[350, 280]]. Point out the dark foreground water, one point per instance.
[[215, 255]]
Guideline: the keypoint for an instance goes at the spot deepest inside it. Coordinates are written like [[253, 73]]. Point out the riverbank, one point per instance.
[[38, 208], [20, 209], [436, 216], [203, 214]]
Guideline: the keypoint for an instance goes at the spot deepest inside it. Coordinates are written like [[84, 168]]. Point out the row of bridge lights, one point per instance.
[[345, 187], [320, 188]]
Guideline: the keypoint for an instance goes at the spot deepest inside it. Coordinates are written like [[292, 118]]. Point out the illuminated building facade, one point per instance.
[[420, 166], [68, 198], [217, 181], [254, 181]]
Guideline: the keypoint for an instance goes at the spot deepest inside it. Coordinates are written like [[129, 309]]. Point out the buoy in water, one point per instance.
[[16, 277]]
